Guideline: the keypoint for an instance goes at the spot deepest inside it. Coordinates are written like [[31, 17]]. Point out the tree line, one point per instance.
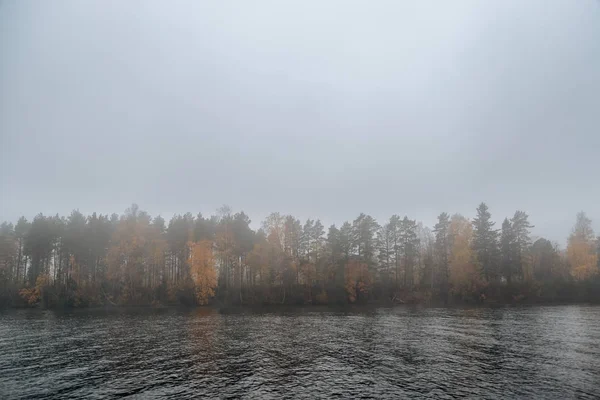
[[134, 259]]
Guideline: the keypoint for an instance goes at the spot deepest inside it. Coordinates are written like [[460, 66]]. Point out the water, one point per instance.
[[541, 352]]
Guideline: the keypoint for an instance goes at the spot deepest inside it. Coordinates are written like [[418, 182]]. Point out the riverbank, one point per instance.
[[524, 293]]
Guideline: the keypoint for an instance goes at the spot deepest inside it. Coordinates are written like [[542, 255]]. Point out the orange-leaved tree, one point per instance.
[[581, 251], [202, 269], [465, 277], [358, 280]]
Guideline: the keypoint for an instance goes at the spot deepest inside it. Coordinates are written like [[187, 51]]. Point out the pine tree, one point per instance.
[[545, 260], [7, 255], [442, 249], [21, 230], [317, 236], [520, 227], [306, 239], [385, 251], [345, 240], [363, 232], [506, 250], [409, 244], [394, 229], [485, 243]]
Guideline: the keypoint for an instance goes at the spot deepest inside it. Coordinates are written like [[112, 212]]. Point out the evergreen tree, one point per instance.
[[293, 237], [409, 245], [485, 243], [317, 236], [442, 249], [21, 230], [306, 239], [545, 260], [363, 233], [520, 227], [385, 251], [506, 250], [8, 246], [426, 254], [345, 240], [394, 232]]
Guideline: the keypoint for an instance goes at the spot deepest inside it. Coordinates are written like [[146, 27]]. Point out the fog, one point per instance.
[[315, 109]]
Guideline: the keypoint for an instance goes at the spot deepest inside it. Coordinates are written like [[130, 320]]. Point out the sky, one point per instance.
[[316, 109]]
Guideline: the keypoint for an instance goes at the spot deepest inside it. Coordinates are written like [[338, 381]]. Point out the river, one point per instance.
[[525, 352]]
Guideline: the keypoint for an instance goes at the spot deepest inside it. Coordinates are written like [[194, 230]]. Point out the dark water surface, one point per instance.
[[533, 352]]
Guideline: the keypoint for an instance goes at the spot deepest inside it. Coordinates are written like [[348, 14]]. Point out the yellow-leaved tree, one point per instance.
[[37, 293], [465, 278], [125, 258], [202, 270], [581, 249], [358, 280]]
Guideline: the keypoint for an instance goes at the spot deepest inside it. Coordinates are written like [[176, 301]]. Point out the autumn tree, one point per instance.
[[202, 269], [358, 280], [131, 257], [581, 249], [465, 278], [274, 227]]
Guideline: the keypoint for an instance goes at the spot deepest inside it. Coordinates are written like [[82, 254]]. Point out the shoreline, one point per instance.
[[337, 306]]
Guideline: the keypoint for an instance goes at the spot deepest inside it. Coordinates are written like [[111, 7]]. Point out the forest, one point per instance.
[[134, 259]]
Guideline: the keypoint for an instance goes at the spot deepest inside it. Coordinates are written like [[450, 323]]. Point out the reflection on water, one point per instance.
[[542, 352]]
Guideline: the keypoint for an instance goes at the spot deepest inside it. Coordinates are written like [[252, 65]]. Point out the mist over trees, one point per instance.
[[137, 259]]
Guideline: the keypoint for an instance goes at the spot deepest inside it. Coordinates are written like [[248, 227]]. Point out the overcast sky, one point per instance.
[[318, 109]]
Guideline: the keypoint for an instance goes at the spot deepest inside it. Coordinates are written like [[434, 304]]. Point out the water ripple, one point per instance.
[[541, 352]]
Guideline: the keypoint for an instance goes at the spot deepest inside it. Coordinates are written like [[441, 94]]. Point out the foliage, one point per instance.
[[134, 259], [358, 280], [581, 249], [202, 269], [465, 277], [35, 294], [485, 243]]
